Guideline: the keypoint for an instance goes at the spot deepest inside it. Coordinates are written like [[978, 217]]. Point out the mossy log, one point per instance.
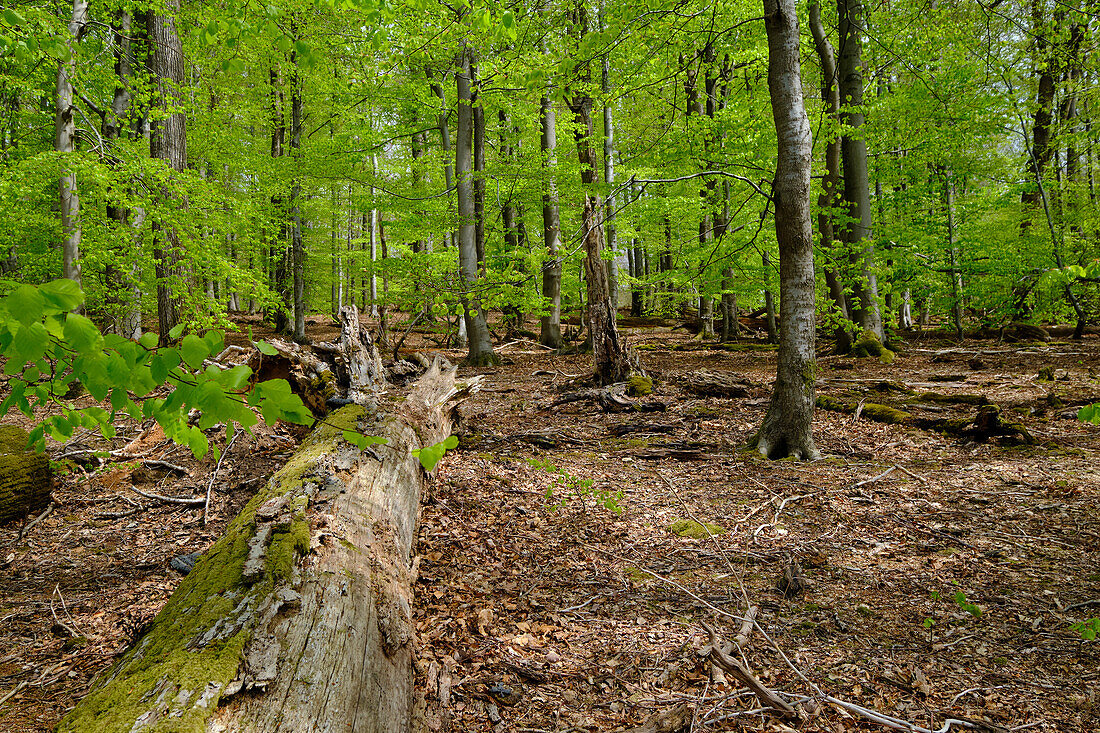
[[299, 618], [24, 476]]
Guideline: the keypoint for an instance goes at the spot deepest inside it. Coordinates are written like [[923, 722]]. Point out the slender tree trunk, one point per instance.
[[123, 294], [857, 234], [477, 330], [551, 231], [479, 167], [65, 143], [168, 142], [612, 362], [610, 233], [769, 300], [786, 430], [828, 200], [953, 254], [297, 251]]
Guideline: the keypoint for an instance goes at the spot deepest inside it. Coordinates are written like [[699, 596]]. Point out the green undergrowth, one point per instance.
[[198, 638]]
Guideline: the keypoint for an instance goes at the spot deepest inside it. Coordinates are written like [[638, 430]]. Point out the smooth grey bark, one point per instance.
[[787, 429], [65, 143], [829, 200], [477, 330], [479, 167], [953, 253], [550, 331], [858, 232], [167, 142], [297, 251], [611, 236], [372, 239], [122, 298]]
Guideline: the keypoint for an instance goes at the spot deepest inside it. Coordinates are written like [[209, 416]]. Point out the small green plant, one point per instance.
[[1088, 629], [431, 455], [571, 485], [961, 602]]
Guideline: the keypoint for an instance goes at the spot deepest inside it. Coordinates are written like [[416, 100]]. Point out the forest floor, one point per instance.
[[570, 556]]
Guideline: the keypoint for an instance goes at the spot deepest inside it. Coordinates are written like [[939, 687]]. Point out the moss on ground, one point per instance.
[[871, 410], [639, 386], [695, 530]]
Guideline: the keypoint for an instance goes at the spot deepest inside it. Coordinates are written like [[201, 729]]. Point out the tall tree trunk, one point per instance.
[[477, 330], [123, 294], [612, 362], [550, 334], [168, 142], [953, 253], [297, 251], [479, 167], [1041, 149], [828, 200], [857, 234], [787, 429], [611, 237], [65, 144]]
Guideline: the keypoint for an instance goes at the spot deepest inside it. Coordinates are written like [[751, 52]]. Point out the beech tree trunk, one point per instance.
[[65, 143], [477, 330], [168, 143], [551, 232], [297, 252], [858, 233], [828, 199], [786, 430], [300, 617], [122, 298]]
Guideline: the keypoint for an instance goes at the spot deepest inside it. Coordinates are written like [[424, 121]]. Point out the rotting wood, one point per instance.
[[305, 603], [709, 383], [612, 398]]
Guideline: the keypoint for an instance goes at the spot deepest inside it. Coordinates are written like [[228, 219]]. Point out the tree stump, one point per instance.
[[300, 617], [24, 476]]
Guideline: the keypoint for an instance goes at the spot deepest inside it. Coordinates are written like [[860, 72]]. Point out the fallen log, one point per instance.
[[300, 617], [24, 476], [709, 383]]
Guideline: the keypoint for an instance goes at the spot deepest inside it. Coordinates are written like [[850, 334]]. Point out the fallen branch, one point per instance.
[[767, 697], [170, 499], [30, 525], [13, 693]]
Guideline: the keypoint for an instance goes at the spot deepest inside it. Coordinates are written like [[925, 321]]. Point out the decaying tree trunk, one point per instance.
[[24, 476], [299, 618]]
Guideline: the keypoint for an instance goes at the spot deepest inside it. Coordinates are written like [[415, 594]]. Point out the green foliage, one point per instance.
[[960, 600], [1088, 629], [576, 487], [49, 350], [431, 455]]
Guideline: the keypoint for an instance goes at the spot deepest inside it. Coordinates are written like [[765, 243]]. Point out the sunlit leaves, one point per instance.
[[56, 350]]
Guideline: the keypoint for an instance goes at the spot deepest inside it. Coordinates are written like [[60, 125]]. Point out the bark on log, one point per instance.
[[709, 383], [24, 476], [299, 618]]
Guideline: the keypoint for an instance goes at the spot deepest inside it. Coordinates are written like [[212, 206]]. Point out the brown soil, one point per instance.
[[592, 619]]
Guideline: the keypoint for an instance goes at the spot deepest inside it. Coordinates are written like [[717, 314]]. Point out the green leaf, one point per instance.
[[13, 18], [265, 348], [194, 350], [1090, 413], [29, 344], [362, 441], [26, 304], [82, 335], [176, 331], [197, 442], [148, 340]]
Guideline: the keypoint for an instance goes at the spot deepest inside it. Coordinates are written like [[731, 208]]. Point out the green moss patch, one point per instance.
[[868, 345], [639, 386], [871, 410], [695, 530]]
